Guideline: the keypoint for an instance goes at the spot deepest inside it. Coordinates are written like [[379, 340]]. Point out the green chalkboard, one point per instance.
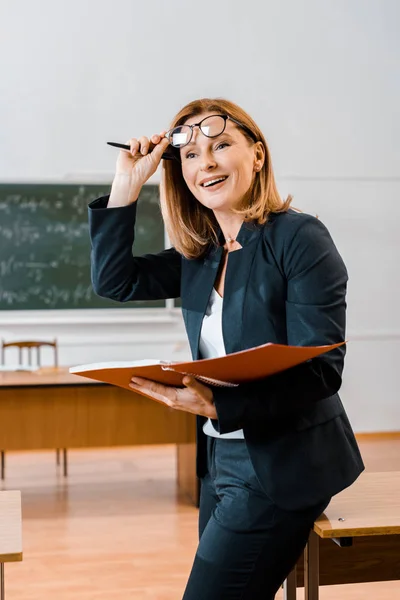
[[45, 247]]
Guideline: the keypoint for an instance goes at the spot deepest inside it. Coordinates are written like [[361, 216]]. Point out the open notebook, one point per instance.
[[230, 370]]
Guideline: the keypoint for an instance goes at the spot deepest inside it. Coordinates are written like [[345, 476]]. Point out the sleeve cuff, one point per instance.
[[101, 202], [230, 405]]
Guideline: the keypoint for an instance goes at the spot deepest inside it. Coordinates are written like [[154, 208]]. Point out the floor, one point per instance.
[[115, 529]]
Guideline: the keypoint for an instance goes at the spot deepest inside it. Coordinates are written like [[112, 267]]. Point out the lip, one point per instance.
[[211, 178]]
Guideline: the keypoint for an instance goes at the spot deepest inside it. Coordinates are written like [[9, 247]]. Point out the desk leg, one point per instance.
[[65, 462], [2, 595], [289, 586], [311, 568], [188, 484]]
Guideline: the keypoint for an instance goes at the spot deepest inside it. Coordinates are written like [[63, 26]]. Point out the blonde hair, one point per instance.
[[191, 226]]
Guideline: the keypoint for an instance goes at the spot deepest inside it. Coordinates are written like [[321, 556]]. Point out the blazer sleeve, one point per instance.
[[315, 315], [116, 273]]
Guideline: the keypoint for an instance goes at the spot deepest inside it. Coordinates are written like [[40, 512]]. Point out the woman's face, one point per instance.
[[229, 156]]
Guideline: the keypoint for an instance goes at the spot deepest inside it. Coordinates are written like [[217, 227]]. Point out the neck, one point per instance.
[[230, 226]]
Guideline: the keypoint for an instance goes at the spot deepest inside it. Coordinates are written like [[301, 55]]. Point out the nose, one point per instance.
[[208, 162], [208, 166]]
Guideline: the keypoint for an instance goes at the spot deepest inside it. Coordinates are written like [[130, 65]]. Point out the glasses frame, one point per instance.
[[176, 157], [224, 117]]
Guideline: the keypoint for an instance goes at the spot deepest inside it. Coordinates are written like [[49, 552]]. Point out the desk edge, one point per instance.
[[11, 557]]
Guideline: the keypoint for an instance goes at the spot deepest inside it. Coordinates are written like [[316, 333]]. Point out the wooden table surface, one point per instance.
[[43, 376], [52, 408], [371, 506], [10, 526]]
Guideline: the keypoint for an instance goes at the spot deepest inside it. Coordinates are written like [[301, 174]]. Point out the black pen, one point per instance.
[[165, 156]]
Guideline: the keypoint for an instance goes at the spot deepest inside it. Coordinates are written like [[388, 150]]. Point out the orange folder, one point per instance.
[[230, 370]]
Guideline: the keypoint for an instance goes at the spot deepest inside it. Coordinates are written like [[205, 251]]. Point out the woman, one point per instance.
[[249, 270]]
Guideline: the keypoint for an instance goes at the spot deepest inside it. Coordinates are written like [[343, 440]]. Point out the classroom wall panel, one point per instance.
[[320, 78]]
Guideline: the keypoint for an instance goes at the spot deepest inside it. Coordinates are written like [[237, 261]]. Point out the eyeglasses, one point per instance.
[[211, 126]]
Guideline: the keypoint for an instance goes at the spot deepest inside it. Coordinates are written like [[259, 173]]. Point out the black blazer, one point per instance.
[[286, 285]]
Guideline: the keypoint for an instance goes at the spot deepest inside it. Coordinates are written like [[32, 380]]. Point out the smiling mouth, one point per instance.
[[214, 182]]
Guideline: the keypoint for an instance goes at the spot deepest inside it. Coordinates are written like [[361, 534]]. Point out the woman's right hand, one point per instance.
[[135, 167]]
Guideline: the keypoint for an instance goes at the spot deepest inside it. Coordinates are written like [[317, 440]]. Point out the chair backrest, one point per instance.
[[29, 347]]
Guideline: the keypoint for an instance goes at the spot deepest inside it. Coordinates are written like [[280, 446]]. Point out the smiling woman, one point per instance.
[[227, 170], [249, 270]]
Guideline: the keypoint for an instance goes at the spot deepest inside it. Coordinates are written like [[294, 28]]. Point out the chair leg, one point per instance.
[[2, 593], [311, 568], [58, 457], [289, 586], [65, 462], [3, 464]]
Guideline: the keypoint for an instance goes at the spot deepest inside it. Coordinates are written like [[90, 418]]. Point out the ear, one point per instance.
[[259, 156]]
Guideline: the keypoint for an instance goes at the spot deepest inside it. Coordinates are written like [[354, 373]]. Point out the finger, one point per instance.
[[202, 391], [155, 138], [160, 149], [192, 382], [139, 380], [151, 394], [144, 145], [154, 387], [127, 143], [193, 385], [134, 146]]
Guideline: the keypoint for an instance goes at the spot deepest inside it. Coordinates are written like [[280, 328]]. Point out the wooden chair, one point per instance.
[[10, 532], [27, 348]]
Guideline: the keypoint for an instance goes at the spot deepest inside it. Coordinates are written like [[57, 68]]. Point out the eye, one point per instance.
[[222, 145], [190, 155]]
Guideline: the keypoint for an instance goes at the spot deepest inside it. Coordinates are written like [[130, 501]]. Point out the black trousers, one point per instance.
[[248, 545]]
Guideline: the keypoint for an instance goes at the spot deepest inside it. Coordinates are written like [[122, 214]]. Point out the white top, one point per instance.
[[212, 345]]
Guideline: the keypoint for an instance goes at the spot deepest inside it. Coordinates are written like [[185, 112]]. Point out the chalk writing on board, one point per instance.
[[45, 246]]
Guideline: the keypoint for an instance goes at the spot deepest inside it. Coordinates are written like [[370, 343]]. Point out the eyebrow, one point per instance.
[[221, 134]]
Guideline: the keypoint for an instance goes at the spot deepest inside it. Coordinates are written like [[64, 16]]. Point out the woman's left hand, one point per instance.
[[194, 398]]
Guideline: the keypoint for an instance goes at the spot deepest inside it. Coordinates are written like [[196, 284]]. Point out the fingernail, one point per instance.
[[134, 380]]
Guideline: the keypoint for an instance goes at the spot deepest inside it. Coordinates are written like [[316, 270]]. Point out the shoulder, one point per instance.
[[284, 228], [298, 240], [292, 220]]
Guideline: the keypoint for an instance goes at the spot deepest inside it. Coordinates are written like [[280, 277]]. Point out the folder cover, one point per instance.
[[230, 370]]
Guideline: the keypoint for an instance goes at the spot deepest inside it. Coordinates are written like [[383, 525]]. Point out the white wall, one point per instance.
[[320, 77]]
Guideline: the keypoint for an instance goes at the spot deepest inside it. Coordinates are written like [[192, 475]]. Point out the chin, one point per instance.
[[216, 203], [225, 201]]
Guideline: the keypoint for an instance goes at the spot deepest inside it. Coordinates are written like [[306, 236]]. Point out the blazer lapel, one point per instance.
[[199, 278], [236, 281], [198, 286]]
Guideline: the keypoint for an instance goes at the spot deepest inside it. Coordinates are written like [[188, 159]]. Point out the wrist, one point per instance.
[[123, 190]]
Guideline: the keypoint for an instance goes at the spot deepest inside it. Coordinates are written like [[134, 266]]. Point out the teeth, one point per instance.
[[208, 183]]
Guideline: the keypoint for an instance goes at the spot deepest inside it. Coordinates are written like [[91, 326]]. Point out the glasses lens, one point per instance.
[[180, 136], [213, 126]]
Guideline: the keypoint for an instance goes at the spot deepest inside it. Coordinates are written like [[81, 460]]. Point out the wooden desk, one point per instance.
[[51, 408], [357, 539], [10, 532]]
